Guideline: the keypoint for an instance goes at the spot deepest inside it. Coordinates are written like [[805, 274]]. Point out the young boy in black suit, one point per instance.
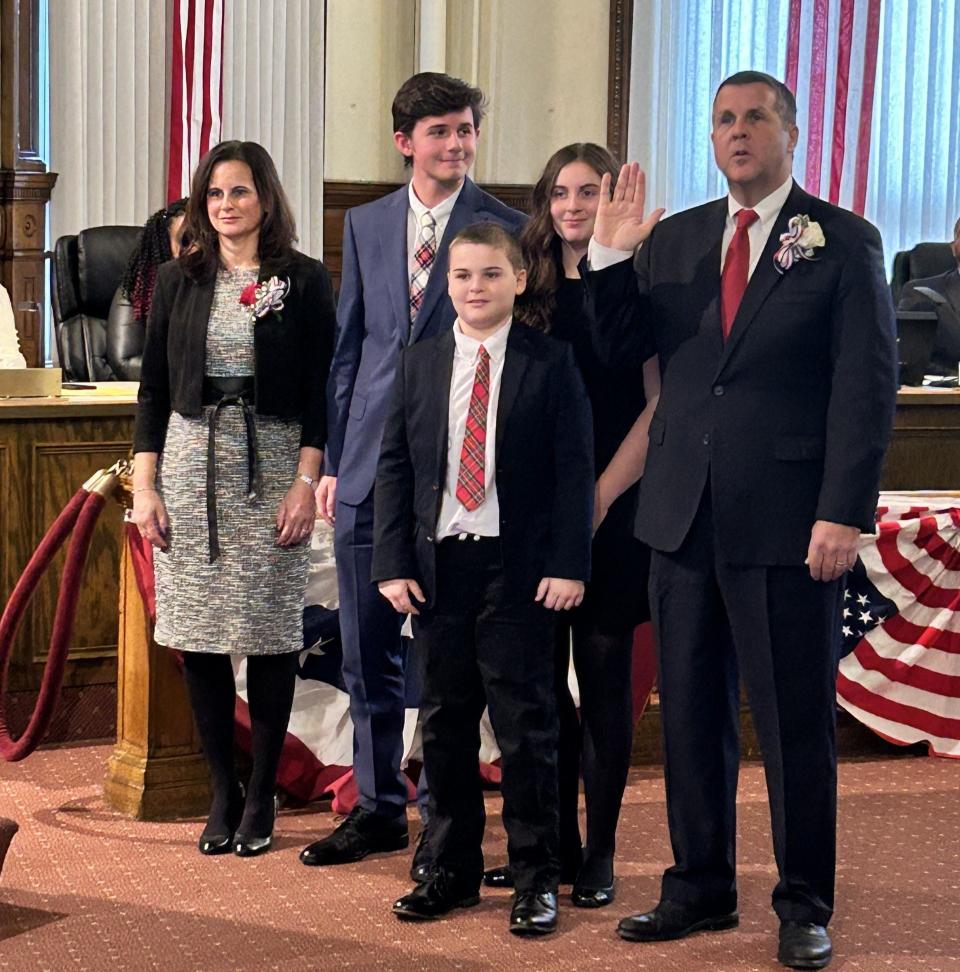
[[482, 527]]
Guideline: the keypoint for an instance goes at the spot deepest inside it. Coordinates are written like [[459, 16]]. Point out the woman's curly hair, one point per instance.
[[152, 249]]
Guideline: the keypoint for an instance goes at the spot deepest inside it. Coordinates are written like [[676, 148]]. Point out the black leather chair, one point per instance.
[[86, 271], [924, 260]]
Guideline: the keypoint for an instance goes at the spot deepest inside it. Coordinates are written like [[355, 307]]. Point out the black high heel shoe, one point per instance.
[[211, 844], [244, 846]]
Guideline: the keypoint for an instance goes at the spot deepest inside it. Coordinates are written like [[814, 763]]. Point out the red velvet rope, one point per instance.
[[79, 515]]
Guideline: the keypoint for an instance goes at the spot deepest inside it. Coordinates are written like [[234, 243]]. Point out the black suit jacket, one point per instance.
[[946, 348], [544, 463], [790, 417], [292, 351]]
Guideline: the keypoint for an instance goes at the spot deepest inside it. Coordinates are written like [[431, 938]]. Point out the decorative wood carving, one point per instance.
[[25, 185], [618, 76]]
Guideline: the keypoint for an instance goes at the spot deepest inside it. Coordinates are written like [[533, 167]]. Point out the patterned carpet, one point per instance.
[[85, 889]]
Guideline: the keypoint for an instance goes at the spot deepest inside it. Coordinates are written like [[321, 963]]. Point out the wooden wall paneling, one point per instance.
[[58, 470], [338, 197], [46, 459]]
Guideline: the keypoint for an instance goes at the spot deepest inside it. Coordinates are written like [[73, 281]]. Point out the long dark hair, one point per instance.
[[542, 253], [278, 231], [153, 248]]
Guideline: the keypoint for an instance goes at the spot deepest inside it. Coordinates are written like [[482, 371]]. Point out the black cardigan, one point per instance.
[[292, 351]]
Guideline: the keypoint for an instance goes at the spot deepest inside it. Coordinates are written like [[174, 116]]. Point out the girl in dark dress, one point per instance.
[[600, 631]]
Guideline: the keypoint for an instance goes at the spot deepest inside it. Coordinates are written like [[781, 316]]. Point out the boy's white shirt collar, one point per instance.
[[440, 212], [496, 343]]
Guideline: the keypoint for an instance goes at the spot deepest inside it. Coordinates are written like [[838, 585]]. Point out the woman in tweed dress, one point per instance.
[[229, 435]]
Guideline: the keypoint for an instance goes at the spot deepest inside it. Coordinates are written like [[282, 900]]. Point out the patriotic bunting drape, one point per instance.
[[196, 89], [902, 622], [832, 67]]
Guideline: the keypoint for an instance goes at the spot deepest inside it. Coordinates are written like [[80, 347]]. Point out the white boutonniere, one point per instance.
[[265, 297], [799, 242]]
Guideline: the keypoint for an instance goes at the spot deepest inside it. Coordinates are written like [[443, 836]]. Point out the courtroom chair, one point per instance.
[[85, 273], [924, 260]]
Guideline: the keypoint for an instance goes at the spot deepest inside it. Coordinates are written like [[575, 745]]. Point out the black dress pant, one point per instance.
[[778, 630], [483, 645]]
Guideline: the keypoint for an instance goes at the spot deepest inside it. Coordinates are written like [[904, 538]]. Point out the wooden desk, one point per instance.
[[925, 451], [48, 448]]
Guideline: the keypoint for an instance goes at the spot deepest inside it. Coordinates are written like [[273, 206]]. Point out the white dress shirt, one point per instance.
[[454, 518], [600, 257], [441, 213]]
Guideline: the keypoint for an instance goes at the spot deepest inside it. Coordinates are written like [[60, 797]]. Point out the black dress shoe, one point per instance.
[[247, 845], [671, 920], [422, 865], [434, 898], [534, 913], [362, 833], [498, 877], [804, 946], [584, 896]]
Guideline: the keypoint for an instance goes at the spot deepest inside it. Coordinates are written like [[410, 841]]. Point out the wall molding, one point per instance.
[[618, 76]]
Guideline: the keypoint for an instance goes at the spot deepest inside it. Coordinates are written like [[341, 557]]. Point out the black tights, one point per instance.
[[270, 683], [601, 739]]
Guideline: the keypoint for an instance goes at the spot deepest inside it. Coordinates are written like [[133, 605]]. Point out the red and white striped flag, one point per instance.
[[196, 91], [831, 68], [902, 678]]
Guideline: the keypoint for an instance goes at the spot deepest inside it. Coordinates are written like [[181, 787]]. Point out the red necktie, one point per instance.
[[736, 267], [471, 479]]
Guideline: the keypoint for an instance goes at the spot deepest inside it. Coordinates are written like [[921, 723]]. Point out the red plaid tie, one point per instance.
[[736, 266], [471, 479], [423, 258]]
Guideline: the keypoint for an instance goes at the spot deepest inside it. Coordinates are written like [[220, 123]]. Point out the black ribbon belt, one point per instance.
[[222, 393]]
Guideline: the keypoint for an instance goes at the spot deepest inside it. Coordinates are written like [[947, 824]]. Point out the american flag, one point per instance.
[[900, 674]]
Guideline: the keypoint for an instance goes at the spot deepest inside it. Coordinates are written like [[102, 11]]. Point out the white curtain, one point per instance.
[[913, 192], [273, 94], [682, 49], [108, 111]]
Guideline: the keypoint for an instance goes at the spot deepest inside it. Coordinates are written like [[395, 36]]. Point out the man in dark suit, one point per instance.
[[392, 294], [773, 322], [946, 347]]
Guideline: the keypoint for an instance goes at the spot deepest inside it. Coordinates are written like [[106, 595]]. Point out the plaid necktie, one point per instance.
[[423, 257], [736, 267], [471, 479]]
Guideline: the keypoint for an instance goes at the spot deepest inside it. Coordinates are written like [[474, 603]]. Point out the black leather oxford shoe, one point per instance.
[[362, 833], [671, 920], [584, 896], [534, 913], [804, 946], [435, 897]]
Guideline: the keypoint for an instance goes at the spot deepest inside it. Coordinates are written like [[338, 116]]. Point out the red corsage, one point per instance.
[[248, 296]]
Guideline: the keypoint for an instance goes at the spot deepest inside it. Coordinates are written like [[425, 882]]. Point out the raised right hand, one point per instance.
[[620, 223], [150, 517]]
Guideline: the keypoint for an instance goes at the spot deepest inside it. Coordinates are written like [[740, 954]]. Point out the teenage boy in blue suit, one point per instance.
[[393, 293]]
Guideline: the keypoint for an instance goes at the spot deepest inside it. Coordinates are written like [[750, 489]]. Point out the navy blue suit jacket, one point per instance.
[[373, 324], [789, 418]]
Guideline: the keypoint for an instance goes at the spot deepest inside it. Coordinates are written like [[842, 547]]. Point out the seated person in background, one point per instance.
[[946, 348], [126, 325], [482, 527]]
